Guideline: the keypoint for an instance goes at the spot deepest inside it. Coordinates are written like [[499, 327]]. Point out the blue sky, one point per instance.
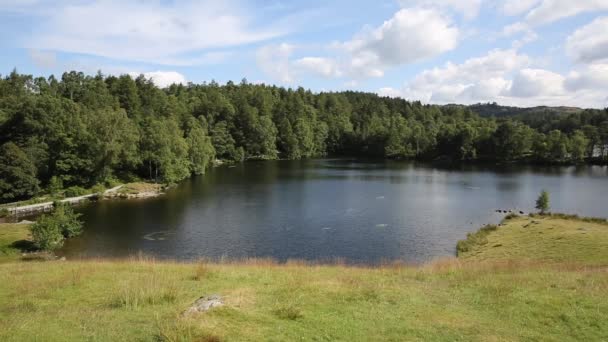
[[514, 52]]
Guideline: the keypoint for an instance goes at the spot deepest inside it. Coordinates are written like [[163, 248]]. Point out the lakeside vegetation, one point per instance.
[[546, 281], [82, 131]]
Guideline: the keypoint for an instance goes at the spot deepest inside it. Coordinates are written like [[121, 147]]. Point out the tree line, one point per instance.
[[85, 130]]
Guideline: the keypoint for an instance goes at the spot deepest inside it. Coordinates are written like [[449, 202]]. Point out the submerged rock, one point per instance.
[[205, 304]]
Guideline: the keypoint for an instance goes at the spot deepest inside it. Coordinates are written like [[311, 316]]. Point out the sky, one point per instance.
[[513, 52]]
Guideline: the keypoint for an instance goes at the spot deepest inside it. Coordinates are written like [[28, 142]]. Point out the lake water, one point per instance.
[[322, 210]]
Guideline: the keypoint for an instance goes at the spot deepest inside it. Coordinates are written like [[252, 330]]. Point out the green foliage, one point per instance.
[[50, 230], [17, 174], [98, 189], [55, 185], [46, 233], [75, 191], [542, 202]]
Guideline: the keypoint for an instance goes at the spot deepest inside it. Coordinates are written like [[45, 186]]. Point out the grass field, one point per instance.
[[10, 237], [482, 296], [546, 238]]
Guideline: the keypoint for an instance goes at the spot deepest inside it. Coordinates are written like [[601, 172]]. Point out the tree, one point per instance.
[[200, 149], [17, 174], [542, 202]]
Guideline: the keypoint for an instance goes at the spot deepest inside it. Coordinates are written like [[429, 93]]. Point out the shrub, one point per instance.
[[67, 220], [289, 312], [4, 212], [55, 185], [74, 191], [46, 233], [98, 189], [49, 231]]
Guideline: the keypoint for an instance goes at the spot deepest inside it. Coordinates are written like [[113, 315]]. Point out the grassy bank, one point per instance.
[[480, 296], [550, 238]]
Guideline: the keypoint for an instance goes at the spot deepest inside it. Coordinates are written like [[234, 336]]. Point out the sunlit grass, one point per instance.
[[557, 238]]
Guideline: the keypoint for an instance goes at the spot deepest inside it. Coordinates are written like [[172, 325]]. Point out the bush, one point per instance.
[[68, 220], [98, 189], [4, 212], [49, 231], [75, 191], [46, 233], [55, 185]]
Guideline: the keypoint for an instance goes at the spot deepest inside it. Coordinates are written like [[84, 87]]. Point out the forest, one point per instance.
[[84, 130]]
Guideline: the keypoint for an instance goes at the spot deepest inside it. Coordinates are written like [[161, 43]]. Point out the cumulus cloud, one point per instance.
[[535, 83], [411, 35], [172, 33], [469, 9], [507, 77], [589, 43], [593, 77], [162, 79]]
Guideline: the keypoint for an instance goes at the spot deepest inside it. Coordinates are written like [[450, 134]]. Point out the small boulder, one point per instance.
[[205, 304]]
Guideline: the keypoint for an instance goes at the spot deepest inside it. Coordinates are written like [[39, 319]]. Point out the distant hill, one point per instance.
[[496, 110]]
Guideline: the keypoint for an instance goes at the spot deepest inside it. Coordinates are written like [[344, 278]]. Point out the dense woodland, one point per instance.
[[84, 130]]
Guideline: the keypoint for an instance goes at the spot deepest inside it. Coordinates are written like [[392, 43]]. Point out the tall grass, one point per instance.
[[474, 239]]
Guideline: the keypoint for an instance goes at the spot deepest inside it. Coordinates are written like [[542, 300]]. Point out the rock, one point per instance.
[[205, 304], [62, 259], [25, 222]]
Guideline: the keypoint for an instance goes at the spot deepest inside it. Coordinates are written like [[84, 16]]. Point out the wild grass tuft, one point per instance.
[[137, 295], [182, 330], [289, 312], [475, 239]]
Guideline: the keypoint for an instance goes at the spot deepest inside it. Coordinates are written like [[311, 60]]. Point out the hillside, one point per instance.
[[495, 110]]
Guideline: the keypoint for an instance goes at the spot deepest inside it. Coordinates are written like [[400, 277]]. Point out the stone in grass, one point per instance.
[[205, 304]]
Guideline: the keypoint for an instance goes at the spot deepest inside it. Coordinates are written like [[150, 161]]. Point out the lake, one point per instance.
[[361, 212]]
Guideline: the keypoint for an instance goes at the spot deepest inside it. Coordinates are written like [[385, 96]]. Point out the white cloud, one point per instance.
[[589, 43], [476, 80], [594, 77], [509, 78], [162, 79], [535, 83], [325, 67], [469, 9], [519, 28], [172, 33], [411, 35], [552, 10], [274, 61]]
